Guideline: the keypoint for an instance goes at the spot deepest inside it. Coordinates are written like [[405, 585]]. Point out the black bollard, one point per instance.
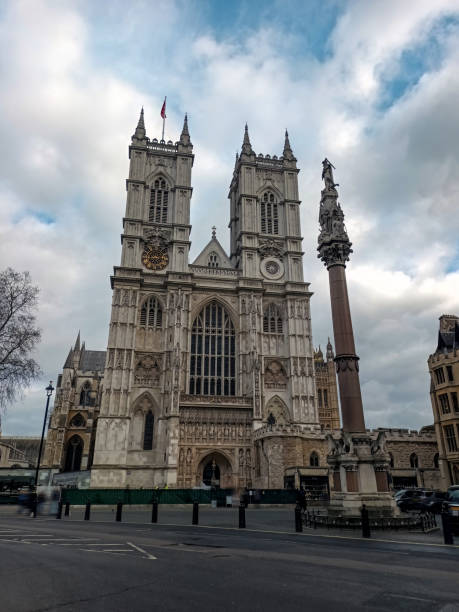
[[87, 512], [447, 533], [119, 510], [195, 520], [242, 515], [298, 519], [365, 522], [67, 509], [59, 510], [154, 512]]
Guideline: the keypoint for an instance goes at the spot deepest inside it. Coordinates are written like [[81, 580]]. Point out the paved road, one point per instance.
[[74, 565]]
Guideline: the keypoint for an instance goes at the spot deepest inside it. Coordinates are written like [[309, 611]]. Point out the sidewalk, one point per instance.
[[272, 520]]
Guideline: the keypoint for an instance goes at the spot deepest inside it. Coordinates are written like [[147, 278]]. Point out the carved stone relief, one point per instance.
[[147, 369], [275, 375]]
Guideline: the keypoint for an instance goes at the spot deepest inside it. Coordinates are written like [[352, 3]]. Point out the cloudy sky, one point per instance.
[[374, 86]]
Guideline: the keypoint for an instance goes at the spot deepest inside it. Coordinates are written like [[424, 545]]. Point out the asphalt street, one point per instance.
[[74, 565]]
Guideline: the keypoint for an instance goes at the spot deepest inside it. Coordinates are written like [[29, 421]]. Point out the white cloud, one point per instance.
[[73, 79]]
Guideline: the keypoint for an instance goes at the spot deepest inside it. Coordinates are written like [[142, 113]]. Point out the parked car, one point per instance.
[[452, 500], [406, 498], [421, 499]]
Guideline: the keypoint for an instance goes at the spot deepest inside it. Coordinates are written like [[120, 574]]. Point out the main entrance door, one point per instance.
[[211, 474], [215, 470]]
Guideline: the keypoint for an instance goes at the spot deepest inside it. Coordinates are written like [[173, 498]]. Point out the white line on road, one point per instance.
[[148, 556]]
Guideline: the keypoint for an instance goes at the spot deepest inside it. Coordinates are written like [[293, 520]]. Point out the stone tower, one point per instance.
[[203, 355], [327, 390]]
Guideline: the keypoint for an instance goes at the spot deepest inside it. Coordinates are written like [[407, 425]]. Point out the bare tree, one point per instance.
[[18, 334]]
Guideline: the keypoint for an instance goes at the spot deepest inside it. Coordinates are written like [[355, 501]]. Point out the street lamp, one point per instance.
[[49, 391]]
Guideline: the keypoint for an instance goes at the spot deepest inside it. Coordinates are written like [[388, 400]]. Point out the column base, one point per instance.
[[350, 504]]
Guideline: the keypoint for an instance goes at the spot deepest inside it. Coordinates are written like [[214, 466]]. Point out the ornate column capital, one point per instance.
[[347, 362]]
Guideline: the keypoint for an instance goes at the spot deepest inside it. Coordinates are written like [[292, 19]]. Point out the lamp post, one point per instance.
[[49, 391]]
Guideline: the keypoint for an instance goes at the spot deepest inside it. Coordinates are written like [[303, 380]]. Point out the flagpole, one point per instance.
[[164, 118]]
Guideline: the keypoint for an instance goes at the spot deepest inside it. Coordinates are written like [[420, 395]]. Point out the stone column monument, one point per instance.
[[359, 462]]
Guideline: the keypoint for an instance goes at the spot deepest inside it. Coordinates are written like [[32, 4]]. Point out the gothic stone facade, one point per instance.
[[73, 422], [444, 393], [201, 354]]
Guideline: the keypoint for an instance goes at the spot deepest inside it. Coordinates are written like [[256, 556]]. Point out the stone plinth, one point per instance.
[[360, 468]]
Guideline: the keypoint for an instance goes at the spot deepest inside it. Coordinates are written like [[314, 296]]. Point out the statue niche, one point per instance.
[[275, 376], [276, 412], [147, 370]]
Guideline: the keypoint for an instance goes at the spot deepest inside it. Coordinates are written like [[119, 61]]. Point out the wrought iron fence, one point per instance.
[[424, 521]]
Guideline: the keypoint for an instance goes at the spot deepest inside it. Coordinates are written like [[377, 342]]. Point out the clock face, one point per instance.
[[155, 257]]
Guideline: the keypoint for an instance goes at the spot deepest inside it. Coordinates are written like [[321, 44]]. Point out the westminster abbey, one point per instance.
[[209, 374]]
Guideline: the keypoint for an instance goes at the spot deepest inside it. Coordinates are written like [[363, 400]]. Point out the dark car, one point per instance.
[[407, 498], [452, 500], [421, 500]]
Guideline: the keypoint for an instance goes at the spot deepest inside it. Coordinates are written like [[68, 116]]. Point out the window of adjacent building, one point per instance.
[[73, 455], [444, 403], [319, 396], [214, 260], [440, 376], [325, 398], [272, 320], [414, 461], [449, 371], [314, 459], [454, 401], [148, 431], [85, 394], [269, 214], [450, 438], [159, 198], [213, 352], [151, 314], [391, 460], [436, 460]]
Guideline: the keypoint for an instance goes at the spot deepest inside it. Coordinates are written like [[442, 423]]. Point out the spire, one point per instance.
[[214, 232], [77, 343], [330, 355], [185, 135], [68, 361], [140, 129], [288, 154], [246, 146]]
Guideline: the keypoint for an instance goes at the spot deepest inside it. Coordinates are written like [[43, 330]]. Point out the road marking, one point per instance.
[[89, 544], [411, 597], [148, 556]]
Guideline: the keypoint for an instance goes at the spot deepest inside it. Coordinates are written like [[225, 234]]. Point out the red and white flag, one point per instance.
[[163, 109]]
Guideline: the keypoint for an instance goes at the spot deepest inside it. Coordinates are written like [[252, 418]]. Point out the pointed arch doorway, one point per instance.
[[215, 470]]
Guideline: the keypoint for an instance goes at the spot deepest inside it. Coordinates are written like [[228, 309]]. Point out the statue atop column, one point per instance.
[[334, 244]]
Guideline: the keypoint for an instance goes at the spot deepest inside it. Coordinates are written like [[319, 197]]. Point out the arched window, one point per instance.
[[314, 459], [85, 394], [269, 214], [272, 320], [391, 460], [151, 314], [436, 460], [214, 260], [159, 197], [414, 461], [73, 454], [77, 421], [148, 431], [213, 352]]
